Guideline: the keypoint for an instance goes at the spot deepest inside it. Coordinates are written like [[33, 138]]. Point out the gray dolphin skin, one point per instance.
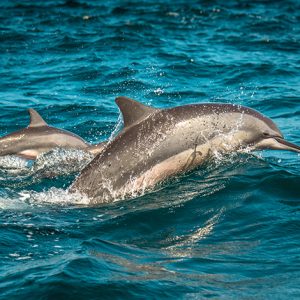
[[157, 144], [39, 137]]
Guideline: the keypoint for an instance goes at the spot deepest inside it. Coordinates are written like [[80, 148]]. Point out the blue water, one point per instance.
[[229, 230]]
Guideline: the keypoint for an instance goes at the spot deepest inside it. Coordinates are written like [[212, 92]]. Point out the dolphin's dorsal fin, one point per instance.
[[133, 111], [35, 119]]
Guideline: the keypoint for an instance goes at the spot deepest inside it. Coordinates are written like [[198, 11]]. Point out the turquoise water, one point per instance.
[[227, 230]]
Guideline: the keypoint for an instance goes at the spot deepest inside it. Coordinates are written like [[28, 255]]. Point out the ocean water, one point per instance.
[[228, 230]]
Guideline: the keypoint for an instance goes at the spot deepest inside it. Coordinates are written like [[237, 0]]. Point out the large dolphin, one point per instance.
[[156, 144], [39, 137]]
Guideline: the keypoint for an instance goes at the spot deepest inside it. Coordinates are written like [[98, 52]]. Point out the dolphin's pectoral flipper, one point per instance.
[[35, 119], [133, 111]]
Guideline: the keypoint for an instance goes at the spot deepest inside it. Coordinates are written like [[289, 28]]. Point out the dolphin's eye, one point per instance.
[[266, 134]]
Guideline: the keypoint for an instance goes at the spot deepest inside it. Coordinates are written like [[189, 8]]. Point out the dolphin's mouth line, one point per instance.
[[288, 144]]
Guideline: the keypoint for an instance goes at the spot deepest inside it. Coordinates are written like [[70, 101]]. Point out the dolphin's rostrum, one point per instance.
[[156, 144]]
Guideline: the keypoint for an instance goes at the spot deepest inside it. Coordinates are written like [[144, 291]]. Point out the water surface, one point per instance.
[[228, 230]]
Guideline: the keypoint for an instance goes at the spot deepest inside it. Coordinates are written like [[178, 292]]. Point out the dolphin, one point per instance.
[[157, 144], [39, 137]]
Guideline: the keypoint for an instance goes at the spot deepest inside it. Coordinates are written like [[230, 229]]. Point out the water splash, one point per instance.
[[58, 162], [53, 196]]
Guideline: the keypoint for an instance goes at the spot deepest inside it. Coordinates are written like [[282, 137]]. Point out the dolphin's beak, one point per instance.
[[285, 145], [276, 143]]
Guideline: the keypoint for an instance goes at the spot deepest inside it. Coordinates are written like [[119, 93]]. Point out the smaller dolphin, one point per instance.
[[39, 137]]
